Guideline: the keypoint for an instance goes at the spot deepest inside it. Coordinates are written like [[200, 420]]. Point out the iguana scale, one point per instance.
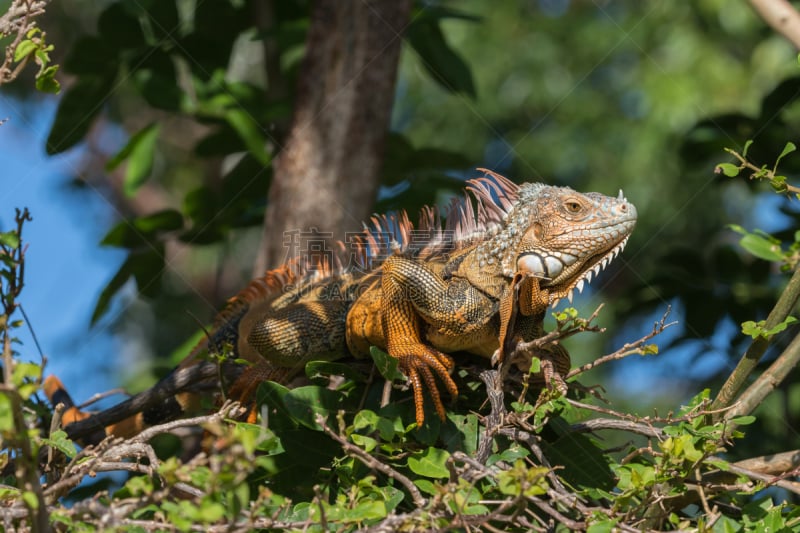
[[420, 294]]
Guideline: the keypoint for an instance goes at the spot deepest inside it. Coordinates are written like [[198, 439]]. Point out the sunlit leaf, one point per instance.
[[729, 169], [386, 364], [430, 463]]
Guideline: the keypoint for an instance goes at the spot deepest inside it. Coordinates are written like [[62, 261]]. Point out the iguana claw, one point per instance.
[[420, 369]]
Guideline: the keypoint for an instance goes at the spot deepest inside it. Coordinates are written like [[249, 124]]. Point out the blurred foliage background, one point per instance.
[[597, 95]]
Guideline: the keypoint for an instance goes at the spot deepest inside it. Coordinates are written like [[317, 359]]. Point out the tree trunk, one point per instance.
[[326, 176]]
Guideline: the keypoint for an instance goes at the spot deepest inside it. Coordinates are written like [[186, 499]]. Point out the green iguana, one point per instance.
[[418, 293]]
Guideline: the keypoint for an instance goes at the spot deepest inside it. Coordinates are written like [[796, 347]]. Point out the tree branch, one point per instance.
[[755, 351], [768, 381], [781, 16], [17, 21]]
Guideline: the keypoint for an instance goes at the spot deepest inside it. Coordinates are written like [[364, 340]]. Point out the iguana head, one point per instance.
[[560, 236], [568, 237]]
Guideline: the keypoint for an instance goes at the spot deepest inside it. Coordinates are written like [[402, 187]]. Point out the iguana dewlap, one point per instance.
[[426, 292]]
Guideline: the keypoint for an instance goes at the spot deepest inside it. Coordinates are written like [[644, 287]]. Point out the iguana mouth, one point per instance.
[[600, 263]]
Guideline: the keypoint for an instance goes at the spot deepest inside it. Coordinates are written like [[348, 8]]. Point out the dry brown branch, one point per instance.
[[562, 331], [101, 396], [738, 377], [632, 348], [373, 463], [696, 412], [781, 16], [112, 454], [17, 21], [596, 424], [791, 486], [773, 464], [228, 409], [768, 381], [492, 423]]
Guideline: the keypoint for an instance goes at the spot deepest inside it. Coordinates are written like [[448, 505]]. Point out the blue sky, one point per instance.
[[65, 269]]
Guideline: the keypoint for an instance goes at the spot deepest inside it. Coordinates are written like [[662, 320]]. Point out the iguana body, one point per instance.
[[521, 246]]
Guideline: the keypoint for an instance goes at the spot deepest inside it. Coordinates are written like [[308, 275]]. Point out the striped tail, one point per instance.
[[181, 392]]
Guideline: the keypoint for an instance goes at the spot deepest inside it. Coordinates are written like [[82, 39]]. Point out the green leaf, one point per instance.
[[140, 162], [774, 520], [510, 455], [604, 526], [78, 107], [59, 441], [24, 49], [46, 81], [729, 169], [649, 349], [426, 486], [119, 28], [156, 79], [758, 329], [139, 152], [315, 369], [92, 55], [25, 372], [146, 266], [246, 126], [60, 517], [386, 364], [521, 479], [271, 395], [445, 66], [430, 463], [370, 421], [211, 512], [6, 414], [143, 230], [782, 326], [461, 434], [788, 149], [745, 420], [367, 443], [9, 239], [30, 500], [746, 147], [304, 403], [257, 438], [762, 247]]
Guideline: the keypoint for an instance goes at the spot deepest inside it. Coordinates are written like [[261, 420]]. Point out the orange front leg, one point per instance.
[[522, 297], [403, 282]]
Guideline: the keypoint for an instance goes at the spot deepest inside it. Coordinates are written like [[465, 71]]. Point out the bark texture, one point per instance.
[[326, 175]]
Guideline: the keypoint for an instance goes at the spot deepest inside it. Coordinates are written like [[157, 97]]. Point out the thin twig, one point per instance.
[[632, 348], [372, 462], [227, 410], [101, 396]]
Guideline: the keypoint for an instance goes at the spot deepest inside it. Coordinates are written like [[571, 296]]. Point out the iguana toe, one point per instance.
[[421, 370]]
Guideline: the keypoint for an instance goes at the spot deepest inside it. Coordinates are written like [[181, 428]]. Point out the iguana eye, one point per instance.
[[572, 207]]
